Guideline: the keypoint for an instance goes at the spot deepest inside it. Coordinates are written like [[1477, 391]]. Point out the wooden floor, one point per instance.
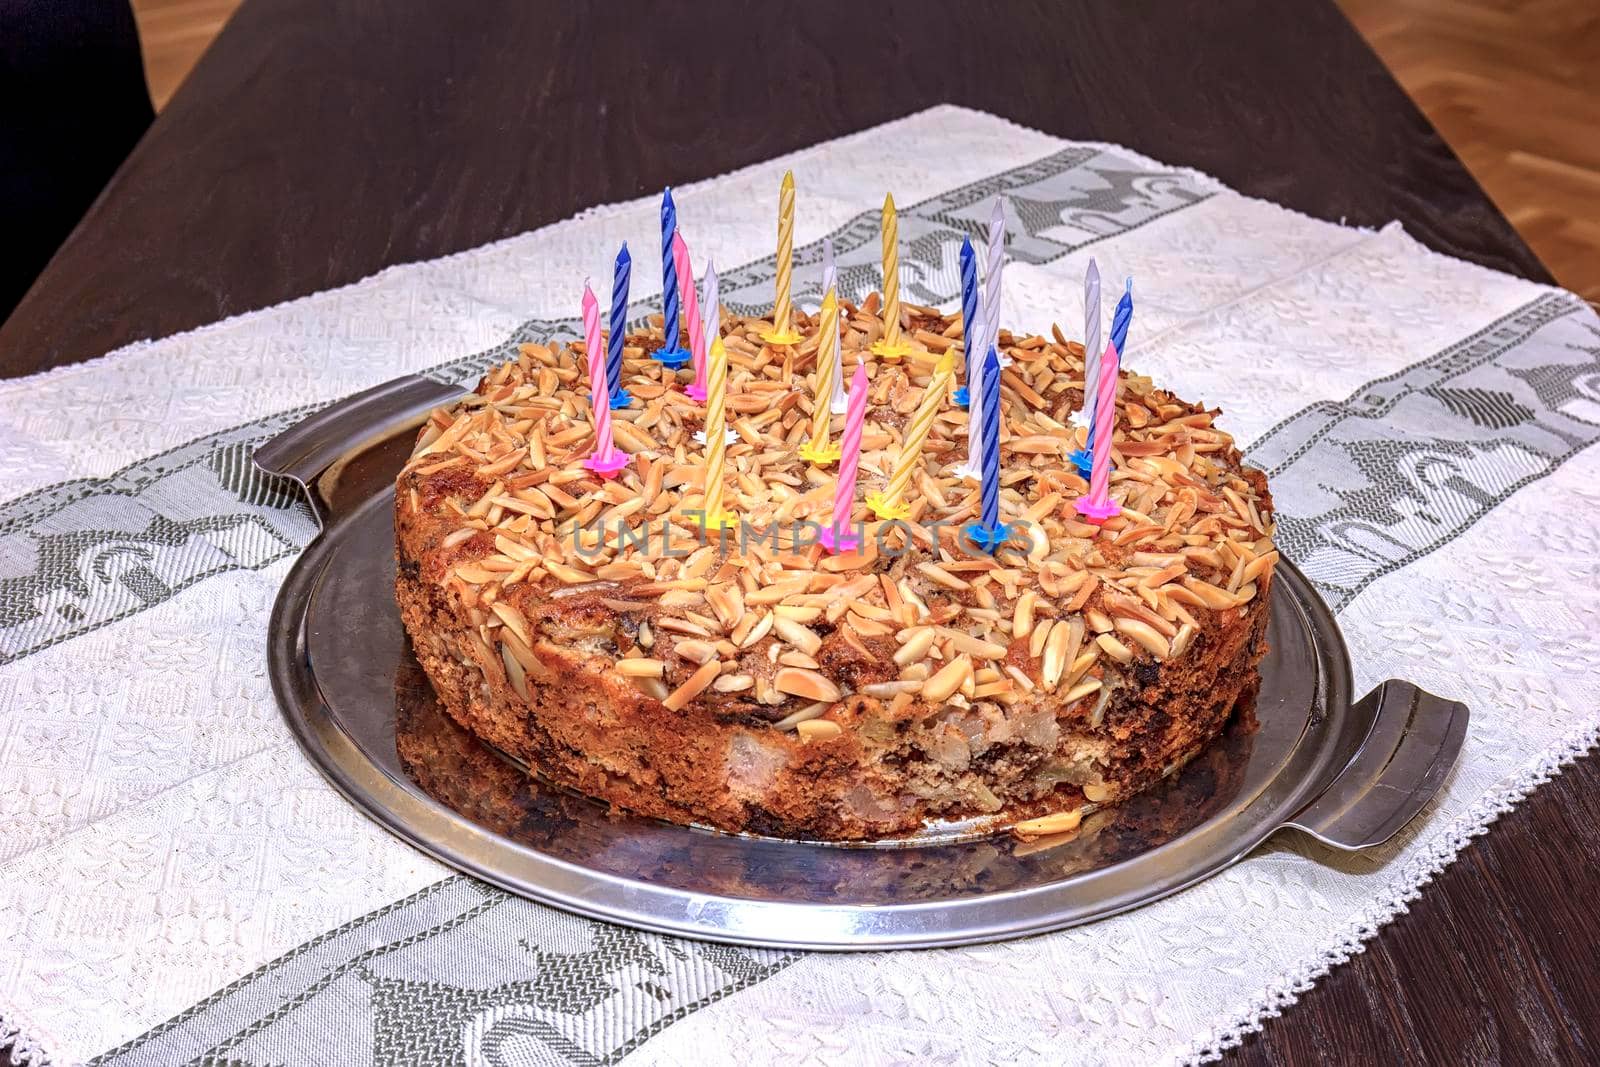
[[1514, 86], [174, 33]]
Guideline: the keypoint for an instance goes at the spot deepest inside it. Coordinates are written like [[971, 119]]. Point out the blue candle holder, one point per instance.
[[1083, 459], [987, 538], [671, 358], [961, 398]]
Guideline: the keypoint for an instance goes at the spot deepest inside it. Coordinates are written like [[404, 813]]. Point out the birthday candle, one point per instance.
[[606, 457], [822, 393], [840, 404], [1120, 320], [970, 332], [990, 482], [891, 346], [716, 432], [891, 272], [669, 280], [713, 328], [830, 276], [619, 327], [691, 302], [1091, 338], [844, 493], [1097, 504], [888, 503], [991, 276], [782, 333]]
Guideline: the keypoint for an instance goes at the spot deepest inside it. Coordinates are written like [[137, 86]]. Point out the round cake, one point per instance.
[[749, 679]]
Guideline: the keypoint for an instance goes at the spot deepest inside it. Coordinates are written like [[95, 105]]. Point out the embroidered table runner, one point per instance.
[[178, 885]]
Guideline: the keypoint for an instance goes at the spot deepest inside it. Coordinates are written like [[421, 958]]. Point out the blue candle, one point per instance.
[[989, 533], [671, 352], [969, 317], [619, 328], [1120, 320]]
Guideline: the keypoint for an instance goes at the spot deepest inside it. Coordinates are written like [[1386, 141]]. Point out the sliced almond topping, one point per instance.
[[943, 685], [818, 730], [1059, 823], [1114, 648], [1211, 596], [800, 637], [693, 687], [1022, 614], [1059, 651], [1146, 635], [513, 620], [916, 646], [1081, 690], [639, 667], [963, 642], [806, 684], [696, 651], [939, 576]]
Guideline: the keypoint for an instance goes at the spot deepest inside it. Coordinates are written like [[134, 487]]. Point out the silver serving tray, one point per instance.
[[1310, 758]]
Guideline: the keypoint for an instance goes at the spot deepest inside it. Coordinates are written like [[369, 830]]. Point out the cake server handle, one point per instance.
[[315, 450], [1414, 741]]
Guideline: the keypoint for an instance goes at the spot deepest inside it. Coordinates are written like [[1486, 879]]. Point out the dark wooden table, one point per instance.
[[320, 140]]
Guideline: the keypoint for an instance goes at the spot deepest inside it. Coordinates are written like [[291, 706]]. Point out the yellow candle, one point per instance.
[[818, 450], [891, 346], [890, 503], [716, 436], [782, 332]]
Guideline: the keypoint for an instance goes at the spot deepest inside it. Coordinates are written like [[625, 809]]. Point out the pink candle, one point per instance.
[[606, 459], [838, 537], [1098, 506], [691, 304]]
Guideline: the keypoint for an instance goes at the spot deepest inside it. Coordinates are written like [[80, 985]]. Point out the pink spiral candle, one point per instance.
[[606, 459], [1098, 506], [691, 304], [838, 538]]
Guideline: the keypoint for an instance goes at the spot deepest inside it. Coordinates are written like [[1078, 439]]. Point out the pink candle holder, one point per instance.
[[607, 465]]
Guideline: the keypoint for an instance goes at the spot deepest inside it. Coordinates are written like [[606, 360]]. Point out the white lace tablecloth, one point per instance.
[[178, 885]]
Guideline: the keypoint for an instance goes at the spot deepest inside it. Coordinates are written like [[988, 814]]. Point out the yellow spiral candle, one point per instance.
[[818, 450], [716, 436], [890, 503], [782, 332], [891, 346]]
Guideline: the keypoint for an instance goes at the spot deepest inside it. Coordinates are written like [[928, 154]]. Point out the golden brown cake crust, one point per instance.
[[771, 688]]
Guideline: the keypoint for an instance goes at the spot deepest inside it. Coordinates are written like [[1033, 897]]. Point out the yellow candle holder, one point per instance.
[[887, 511], [891, 353], [722, 520], [823, 456], [781, 338]]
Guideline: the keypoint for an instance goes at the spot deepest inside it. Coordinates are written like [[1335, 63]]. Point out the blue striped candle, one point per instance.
[[1120, 320], [970, 339], [619, 328], [989, 533], [671, 352]]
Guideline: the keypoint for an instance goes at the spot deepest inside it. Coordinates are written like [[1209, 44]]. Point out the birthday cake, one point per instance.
[[750, 679]]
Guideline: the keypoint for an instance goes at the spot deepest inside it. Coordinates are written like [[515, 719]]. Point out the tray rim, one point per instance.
[[323, 442], [437, 830]]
